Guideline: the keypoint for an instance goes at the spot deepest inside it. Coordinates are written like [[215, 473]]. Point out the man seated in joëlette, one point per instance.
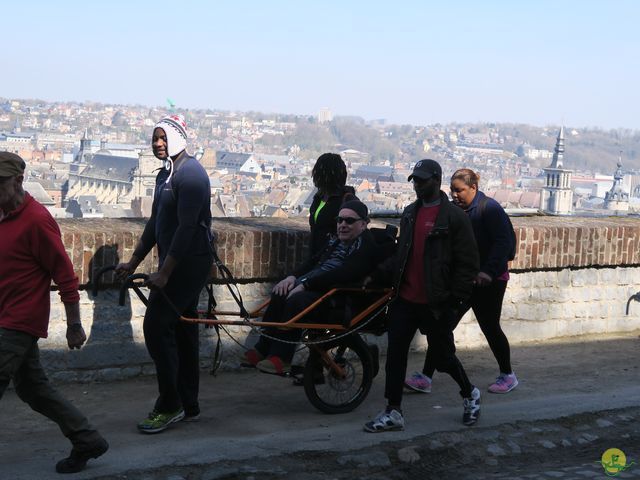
[[347, 258]]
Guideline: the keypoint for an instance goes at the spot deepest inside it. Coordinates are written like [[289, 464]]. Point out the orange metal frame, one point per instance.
[[210, 318]]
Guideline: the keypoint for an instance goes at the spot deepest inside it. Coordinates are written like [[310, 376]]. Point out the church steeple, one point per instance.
[[558, 153], [85, 148], [556, 197], [617, 199]]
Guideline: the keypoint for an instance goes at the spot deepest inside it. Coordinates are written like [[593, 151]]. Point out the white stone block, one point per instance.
[[623, 323], [559, 310], [521, 280], [530, 312], [469, 335], [573, 310], [519, 295], [582, 310], [594, 325], [564, 278], [509, 310], [549, 279], [607, 276], [580, 294], [569, 327], [526, 332], [615, 293], [554, 295], [580, 278]]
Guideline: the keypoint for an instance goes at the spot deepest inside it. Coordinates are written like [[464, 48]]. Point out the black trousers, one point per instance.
[[282, 309], [174, 345], [405, 318], [486, 303]]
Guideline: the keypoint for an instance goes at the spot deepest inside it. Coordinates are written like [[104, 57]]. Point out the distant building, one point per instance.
[[393, 189], [351, 155], [233, 161], [556, 197], [144, 176], [84, 206], [208, 159], [38, 192], [528, 151], [617, 199], [325, 115], [373, 172], [107, 177]]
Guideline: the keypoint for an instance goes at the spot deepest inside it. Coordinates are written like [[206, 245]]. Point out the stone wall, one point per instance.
[[571, 276]]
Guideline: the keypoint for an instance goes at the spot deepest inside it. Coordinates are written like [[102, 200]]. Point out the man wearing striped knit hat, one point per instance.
[[179, 226]]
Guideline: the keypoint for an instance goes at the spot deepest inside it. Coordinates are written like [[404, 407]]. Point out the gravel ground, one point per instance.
[[568, 448]]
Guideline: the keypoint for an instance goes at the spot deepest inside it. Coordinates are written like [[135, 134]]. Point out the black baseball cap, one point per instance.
[[425, 169]]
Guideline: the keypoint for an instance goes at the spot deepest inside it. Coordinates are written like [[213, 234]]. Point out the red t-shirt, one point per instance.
[[412, 287], [31, 255]]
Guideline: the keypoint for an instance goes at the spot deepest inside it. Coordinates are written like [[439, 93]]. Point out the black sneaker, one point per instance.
[[191, 414], [471, 408], [77, 460]]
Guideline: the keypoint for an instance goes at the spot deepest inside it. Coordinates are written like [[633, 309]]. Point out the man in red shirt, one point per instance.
[[31, 256], [433, 272]]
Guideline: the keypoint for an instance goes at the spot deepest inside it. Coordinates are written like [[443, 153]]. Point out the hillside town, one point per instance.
[[90, 160]]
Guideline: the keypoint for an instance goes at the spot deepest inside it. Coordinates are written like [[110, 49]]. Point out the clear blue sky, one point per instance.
[[540, 62]]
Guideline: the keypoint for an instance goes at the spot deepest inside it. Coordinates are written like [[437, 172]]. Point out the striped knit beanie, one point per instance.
[[175, 128]]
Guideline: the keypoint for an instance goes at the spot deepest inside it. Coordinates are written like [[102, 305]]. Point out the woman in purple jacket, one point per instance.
[[496, 243]]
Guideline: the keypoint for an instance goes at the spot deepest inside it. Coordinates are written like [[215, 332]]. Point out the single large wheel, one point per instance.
[[331, 391]]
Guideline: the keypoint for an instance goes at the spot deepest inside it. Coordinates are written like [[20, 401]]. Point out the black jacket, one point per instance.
[[451, 256], [325, 224], [357, 265]]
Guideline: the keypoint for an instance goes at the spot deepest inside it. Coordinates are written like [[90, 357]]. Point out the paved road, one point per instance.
[[250, 419]]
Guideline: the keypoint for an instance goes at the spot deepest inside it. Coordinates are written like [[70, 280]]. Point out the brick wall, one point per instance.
[[264, 249], [576, 242], [571, 276], [253, 249]]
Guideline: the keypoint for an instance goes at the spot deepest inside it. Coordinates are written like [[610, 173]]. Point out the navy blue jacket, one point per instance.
[[181, 214], [494, 234]]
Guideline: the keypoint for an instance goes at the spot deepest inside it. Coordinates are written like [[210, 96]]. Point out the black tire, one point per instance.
[[324, 389]]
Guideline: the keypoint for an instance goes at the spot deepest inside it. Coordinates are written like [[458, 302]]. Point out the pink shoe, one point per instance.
[[504, 383], [418, 382]]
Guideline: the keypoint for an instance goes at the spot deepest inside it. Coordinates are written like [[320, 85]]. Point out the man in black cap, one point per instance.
[[433, 272], [31, 256], [347, 258]]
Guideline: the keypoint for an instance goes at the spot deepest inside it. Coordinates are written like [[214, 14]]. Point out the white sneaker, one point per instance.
[[385, 421], [471, 408]]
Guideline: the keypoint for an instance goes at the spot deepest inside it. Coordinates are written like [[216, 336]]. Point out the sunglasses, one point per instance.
[[418, 180], [347, 220]]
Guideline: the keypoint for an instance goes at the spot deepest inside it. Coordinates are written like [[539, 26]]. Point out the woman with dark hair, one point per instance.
[[496, 243], [329, 177]]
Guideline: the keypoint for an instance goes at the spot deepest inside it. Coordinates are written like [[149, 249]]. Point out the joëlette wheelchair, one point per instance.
[[340, 367]]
